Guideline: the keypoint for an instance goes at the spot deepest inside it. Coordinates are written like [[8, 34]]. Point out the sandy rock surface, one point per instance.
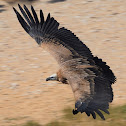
[[24, 93]]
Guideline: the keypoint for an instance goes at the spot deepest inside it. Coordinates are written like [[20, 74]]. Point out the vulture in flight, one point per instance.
[[89, 77]]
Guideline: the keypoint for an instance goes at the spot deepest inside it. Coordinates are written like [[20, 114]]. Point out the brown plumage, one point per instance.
[[89, 77]]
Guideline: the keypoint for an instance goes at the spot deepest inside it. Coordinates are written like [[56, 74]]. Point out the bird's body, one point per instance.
[[89, 77]]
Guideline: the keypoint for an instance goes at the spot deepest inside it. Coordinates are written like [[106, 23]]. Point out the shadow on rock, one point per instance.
[[55, 1], [20, 1], [2, 8]]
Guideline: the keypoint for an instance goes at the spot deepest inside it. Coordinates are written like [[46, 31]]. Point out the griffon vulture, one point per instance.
[[89, 77]]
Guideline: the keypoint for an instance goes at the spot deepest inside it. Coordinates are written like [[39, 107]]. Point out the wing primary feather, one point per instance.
[[93, 114], [29, 14], [88, 113], [22, 21], [35, 15], [24, 14], [105, 110], [41, 18], [100, 114]]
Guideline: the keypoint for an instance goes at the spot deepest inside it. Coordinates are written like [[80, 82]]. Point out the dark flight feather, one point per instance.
[[22, 21], [24, 14], [35, 15], [29, 14], [93, 114], [41, 18]]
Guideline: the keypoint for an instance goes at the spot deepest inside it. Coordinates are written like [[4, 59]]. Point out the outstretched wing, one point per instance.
[[91, 88], [44, 31]]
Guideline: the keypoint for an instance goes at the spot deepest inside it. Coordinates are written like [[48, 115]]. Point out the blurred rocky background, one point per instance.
[[24, 93]]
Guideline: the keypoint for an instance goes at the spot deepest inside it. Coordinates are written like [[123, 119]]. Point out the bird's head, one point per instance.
[[52, 77]]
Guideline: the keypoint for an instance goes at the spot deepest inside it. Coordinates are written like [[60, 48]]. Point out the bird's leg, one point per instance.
[[57, 77]]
